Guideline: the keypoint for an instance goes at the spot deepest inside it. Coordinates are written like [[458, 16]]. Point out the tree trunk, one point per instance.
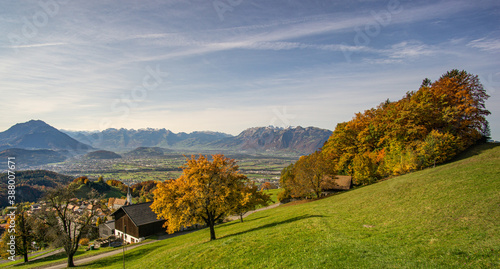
[[212, 230], [25, 256], [241, 217], [318, 194], [70, 260]]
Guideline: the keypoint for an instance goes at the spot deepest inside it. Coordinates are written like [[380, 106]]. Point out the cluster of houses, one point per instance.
[[77, 208], [129, 222]]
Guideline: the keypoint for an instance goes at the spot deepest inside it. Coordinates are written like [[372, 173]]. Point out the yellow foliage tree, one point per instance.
[[437, 148], [250, 198], [16, 240], [205, 193]]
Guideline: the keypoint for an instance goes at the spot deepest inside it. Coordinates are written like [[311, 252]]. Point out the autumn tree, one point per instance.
[[67, 225], [266, 186], [285, 178], [312, 174], [18, 237], [205, 193], [250, 198], [437, 148]]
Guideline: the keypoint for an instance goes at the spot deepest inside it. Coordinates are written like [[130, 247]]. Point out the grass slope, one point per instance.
[[84, 190], [444, 217]]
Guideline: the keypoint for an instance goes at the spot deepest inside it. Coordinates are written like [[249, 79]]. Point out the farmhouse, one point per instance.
[[134, 222]]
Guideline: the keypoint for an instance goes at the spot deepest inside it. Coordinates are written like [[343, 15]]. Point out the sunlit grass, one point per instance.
[[445, 217]]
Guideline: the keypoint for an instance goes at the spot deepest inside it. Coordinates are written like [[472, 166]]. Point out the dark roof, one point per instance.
[[140, 214]]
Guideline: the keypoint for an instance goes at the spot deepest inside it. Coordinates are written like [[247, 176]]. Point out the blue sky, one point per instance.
[[227, 65]]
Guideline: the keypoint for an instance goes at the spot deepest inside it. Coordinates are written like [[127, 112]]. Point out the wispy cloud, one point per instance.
[[411, 49], [485, 44], [35, 45]]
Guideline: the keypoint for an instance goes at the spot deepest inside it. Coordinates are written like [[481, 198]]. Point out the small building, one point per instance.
[[107, 229], [134, 222], [340, 183], [119, 203]]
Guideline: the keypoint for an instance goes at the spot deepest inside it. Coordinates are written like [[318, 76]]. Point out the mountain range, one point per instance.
[[297, 140], [36, 142], [128, 139]]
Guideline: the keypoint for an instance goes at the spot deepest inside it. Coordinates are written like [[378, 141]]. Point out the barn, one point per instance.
[[134, 222]]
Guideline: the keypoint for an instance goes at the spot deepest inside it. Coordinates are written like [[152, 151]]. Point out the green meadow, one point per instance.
[[442, 217]]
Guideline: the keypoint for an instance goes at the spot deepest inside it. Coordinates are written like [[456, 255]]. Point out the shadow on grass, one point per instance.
[[307, 216], [117, 259], [56, 256], [236, 221], [474, 150]]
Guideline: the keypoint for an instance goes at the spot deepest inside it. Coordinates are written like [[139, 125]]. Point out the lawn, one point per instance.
[[56, 258], [274, 194], [443, 217]]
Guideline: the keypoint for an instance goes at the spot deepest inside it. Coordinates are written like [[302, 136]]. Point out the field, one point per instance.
[[132, 170], [443, 217]]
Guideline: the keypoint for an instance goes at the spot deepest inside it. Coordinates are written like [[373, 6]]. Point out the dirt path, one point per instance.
[[42, 255], [77, 261], [231, 218]]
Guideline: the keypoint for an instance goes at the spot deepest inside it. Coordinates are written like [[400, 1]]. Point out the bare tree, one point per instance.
[[68, 219]]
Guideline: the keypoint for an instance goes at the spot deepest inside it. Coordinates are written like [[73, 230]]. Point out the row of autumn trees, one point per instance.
[[205, 193], [424, 128]]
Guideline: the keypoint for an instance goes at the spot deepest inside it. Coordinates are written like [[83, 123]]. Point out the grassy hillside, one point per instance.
[[443, 217], [84, 190]]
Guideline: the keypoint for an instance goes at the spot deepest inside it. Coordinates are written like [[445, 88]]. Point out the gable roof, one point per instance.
[[110, 224], [119, 201], [140, 214]]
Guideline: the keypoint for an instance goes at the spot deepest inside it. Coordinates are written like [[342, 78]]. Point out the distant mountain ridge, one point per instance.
[[127, 139], [36, 134], [25, 158], [297, 140]]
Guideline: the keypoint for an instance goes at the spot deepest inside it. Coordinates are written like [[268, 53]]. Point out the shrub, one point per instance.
[[84, 241]]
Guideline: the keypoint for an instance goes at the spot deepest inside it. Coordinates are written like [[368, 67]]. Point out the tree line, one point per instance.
[[426, 127]]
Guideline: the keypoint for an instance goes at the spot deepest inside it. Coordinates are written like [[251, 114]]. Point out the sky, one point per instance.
[[228, 65]]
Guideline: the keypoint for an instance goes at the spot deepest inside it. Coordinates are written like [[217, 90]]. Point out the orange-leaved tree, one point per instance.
[[206, 192], [311, 175]]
